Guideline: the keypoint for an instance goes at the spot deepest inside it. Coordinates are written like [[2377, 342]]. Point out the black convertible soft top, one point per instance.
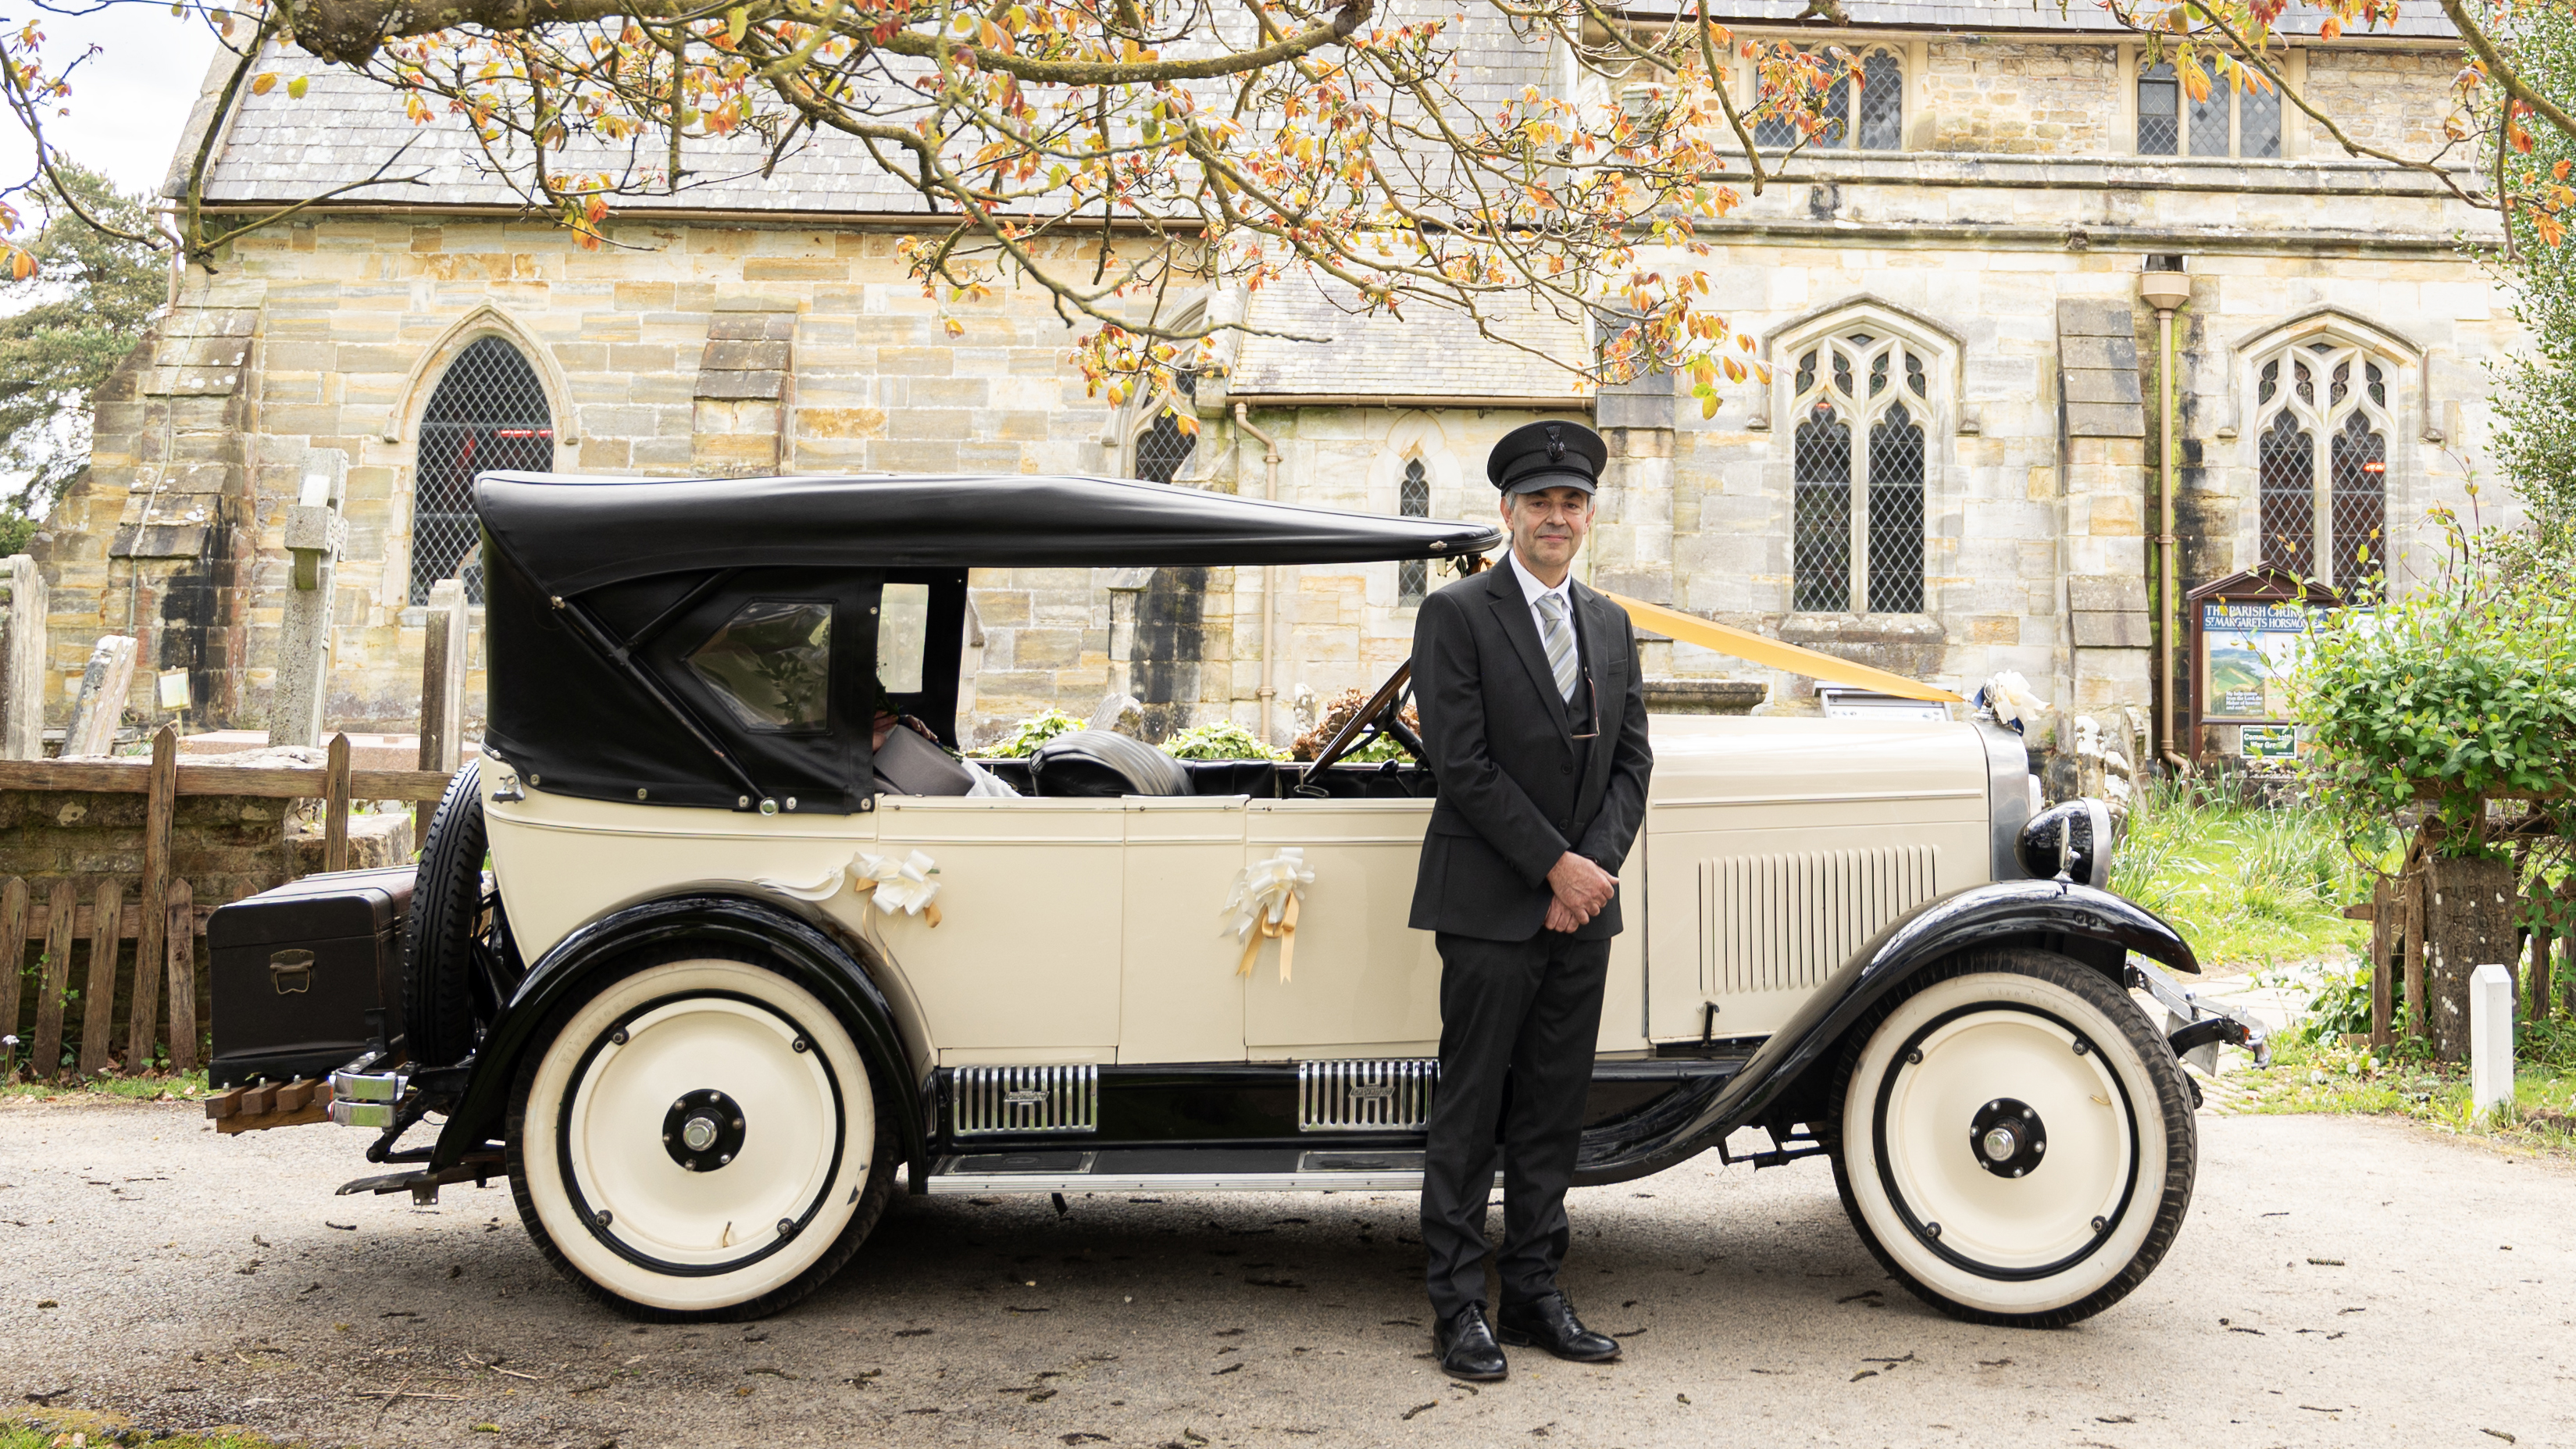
[[574, 534], [612, 605]]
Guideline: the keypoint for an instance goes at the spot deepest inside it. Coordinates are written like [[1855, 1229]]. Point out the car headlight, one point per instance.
[[2072, 841]]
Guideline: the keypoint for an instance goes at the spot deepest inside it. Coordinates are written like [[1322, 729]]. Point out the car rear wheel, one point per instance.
[[698, 1139], [2015, 1142]]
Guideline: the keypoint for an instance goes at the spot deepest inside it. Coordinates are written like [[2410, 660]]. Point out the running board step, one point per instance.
[[1192, 1169]]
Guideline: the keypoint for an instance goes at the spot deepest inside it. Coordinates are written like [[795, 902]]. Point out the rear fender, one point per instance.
[[805, 953], [1780, 1084]]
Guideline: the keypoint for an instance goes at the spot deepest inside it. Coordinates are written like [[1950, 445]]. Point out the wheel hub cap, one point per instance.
[[2007, 1137], [704, 1130]]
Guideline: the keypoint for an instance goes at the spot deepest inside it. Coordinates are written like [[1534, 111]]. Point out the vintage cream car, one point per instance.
[[722, 981]]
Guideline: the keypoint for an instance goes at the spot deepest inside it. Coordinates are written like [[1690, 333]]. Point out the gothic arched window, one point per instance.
[[1165, 443], [488, 414], [1858, 544], [2321, 452], [1413, 576]]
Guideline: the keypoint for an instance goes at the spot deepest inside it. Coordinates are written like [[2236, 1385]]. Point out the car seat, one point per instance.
[[1098, 764]]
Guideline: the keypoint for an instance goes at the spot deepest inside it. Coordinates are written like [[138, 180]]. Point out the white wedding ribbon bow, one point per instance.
[[896, 885], [1264, 905]]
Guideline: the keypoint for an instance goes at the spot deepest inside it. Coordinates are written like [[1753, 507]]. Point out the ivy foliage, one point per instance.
[[2461, 690], [2535, 390]]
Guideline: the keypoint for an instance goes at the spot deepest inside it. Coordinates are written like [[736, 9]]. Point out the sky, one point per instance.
[[129, 101]]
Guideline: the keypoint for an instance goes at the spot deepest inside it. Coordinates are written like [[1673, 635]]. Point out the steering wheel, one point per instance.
[[1382, 715]]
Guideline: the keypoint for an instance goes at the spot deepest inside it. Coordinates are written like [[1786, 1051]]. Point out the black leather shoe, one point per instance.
[[1467, 1347], [1550, 1323]]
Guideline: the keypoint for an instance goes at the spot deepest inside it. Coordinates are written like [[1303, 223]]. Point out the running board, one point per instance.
[[1199, 1169]]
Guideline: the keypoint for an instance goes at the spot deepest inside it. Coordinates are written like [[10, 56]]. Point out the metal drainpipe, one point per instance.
[[2164, 693], [1269, 691]]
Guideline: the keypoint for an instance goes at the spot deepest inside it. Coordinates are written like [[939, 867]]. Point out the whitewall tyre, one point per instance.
[[698, 1139], [2015, 1142]]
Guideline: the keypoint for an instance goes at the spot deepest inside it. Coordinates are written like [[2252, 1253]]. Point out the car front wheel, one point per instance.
[[698, 1139], [2016, 1143]]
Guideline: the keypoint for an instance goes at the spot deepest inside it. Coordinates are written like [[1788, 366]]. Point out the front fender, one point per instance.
[[2092, 925], [802, 951]]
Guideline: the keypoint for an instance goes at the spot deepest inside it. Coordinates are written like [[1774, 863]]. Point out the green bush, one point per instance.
[[2463, 689], [1223, 741], [1034, 731]]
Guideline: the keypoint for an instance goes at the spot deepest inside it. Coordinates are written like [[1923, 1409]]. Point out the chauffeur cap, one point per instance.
[[1536, 456]]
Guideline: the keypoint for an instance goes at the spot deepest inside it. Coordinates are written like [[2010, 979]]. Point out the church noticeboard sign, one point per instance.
[[2246, 631], [2250, 647]]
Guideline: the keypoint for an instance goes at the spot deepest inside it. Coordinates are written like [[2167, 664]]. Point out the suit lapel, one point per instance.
[[1511, 608], [1599, 621]]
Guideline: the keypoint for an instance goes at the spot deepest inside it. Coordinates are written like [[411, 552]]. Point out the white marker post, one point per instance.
[[2490, 1038]]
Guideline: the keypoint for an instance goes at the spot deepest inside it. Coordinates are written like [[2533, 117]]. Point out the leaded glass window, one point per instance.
[[1413, 500], [2229, 122], [488, 414], [1858, 512], [2322, 463], [1869, 115], [1165, 445]]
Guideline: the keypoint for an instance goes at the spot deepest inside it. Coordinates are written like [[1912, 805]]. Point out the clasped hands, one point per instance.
[[1582, 889]]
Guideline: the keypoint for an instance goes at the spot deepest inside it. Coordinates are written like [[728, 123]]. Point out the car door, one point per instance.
[[1024, 965], [1364, 984]]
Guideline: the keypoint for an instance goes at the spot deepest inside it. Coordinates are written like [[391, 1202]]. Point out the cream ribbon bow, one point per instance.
[[1264, 905], [898, 885]]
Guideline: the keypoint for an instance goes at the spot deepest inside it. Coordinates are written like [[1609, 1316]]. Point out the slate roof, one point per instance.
[[1431, 353], [2417, 19], [346, 126]]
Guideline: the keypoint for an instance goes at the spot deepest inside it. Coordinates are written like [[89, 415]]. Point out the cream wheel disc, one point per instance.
[[2003, 1143], [697, 1135]]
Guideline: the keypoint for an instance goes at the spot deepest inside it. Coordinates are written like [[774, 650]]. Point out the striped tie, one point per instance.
[[1559, 640]]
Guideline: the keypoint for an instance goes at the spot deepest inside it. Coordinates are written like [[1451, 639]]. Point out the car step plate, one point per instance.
[[1182, 1170]]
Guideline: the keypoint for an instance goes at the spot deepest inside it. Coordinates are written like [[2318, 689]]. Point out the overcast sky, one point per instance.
[[129, 101]]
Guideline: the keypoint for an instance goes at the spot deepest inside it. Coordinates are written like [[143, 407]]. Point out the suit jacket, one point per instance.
[[1516, 792]]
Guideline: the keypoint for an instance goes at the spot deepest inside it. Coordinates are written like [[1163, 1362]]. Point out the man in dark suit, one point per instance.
[[1535, 720]]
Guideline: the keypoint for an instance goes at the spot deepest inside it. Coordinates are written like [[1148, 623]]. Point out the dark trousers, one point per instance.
[[1533, 1009]]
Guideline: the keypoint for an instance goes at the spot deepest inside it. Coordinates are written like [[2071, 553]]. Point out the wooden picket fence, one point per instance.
[[165, 918]]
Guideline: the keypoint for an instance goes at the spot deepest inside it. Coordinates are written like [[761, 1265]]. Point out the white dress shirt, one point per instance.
[[1533, 590]]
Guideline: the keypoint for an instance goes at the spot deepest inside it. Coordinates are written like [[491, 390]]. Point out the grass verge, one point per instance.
[[160, 1087], [2327, 1077], [82, 1428], [2246, 886]]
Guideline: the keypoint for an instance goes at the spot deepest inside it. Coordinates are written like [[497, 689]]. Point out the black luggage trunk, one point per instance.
[[300, 970]]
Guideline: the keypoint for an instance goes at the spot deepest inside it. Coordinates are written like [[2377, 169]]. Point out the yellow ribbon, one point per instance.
[[1743, 644]]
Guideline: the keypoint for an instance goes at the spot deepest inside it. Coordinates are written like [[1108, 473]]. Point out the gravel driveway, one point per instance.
[[2340, 1282]]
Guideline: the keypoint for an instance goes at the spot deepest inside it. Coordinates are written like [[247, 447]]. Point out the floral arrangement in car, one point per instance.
[[1034, 731], [1225, 740]]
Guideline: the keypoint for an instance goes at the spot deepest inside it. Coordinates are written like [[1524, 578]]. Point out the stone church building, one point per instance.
[[1950, 472]]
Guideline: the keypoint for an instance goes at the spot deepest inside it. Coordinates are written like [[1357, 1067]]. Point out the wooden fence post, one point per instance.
[[2413, 886], [13, 952], [2384, 937], [181, 939], [442, 691], [47, 1054], [143, 1020], [98, 1002], [335, 806]]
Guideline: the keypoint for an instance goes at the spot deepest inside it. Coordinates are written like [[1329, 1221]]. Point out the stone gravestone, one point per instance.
[[100, 705], [315, 533], [442, 678], [23, 678]]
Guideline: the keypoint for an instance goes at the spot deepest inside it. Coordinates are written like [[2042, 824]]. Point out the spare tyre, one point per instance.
[[458, 963]]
